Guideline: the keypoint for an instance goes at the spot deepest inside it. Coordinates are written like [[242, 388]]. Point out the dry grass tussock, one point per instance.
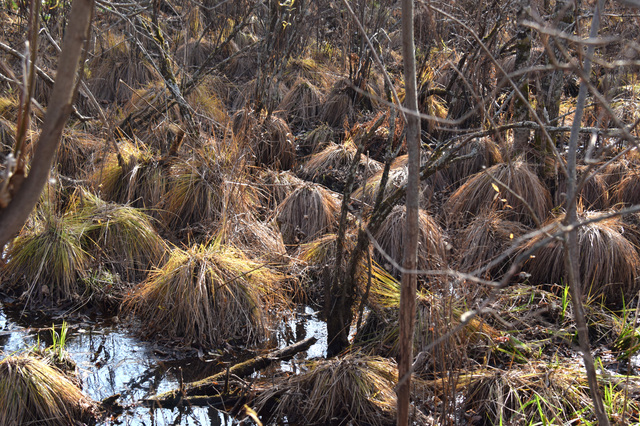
[[354, 388], [258, 92], [7, 135], [274, 186], [306, 69], [483, 240], [307, 213], [367, 193], [192, 54], [432, 252], [47, 258], [245, 126], [317, 261], [259, 240], [209, 100], [123, 237], [34, 392], [594, 194], [535, 392], [436, 316], [77, 149], [627, 191], [302, 105], [609, 263], [139, 180], [275, 145], [268, 139], [117, 69], [382, 143], [316, 140], [487, 154], [616, 171], [330, 167], [340, 107], [207, 295], [244, 66], [397, 178], [205, 187], [485, 191]]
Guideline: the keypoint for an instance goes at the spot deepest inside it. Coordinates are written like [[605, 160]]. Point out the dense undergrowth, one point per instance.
[[198, 192]]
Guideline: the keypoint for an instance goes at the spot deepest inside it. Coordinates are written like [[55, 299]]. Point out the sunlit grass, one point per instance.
[[33, 392], [206, 295]]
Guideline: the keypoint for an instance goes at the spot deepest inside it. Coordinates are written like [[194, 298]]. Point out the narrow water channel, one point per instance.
[[112, 360]]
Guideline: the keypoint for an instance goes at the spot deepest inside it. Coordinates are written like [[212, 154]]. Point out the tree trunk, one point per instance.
[[520, 107], [571, 252], [61, 101], [409, 278]]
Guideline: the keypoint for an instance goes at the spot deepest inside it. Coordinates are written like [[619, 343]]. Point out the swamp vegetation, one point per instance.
[[203, 209]]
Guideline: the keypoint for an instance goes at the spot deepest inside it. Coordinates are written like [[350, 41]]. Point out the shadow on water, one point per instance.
[[111, 360]]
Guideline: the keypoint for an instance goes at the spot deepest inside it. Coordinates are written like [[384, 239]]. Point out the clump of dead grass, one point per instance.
[[487, 191], [627, 191], [274, 186], [34, 392], [47, 258], [484, 239], [355, 388], [432, 252], [192, 54], [531, 392], [436, 316], [302, 105], [344, 101], [608, 262], [317, 263], [275, 144], [305, 69], [117, 69], [137, 178], [207, 295], [594, 194], [307, 213], [330, 167], [487, 154], [316, 140], [121, 236], [259, 240], [76, 150], [205, 187]]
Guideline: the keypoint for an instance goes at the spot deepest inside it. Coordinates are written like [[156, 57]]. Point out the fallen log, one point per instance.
[[216, 387]]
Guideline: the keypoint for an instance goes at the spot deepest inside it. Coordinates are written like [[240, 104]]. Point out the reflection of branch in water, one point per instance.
[[153, 374]]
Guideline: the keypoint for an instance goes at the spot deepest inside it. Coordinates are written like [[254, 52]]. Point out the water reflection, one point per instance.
[[110, 361]]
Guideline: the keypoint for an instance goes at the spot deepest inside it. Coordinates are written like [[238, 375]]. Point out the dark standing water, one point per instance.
[[111, 360]]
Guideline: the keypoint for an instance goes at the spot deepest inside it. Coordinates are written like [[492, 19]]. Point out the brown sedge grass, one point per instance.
[[486, 191], [34, 392], [432, 252], [306, 213], [207, 295], [122, 236], [48, 254], [356, 387], [609, 263]]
